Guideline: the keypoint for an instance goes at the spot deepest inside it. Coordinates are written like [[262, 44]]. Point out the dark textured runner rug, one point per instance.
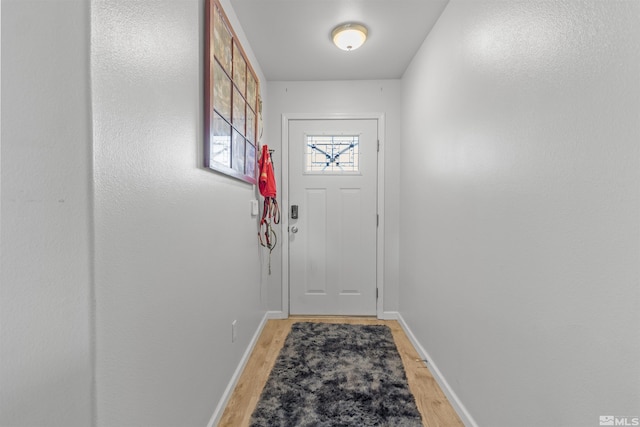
[[337, 375]]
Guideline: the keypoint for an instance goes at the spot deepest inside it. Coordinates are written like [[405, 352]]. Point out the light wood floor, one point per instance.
[[433, 405]]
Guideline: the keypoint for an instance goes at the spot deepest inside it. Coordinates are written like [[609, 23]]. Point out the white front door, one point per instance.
[[332, 243]]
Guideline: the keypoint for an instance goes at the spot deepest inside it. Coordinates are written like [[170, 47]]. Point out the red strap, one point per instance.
[[270, 212]]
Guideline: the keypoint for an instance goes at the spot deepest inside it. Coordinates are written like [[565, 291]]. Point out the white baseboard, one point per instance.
[[222, 404], [457, 405], [389, 315], [277, 315]]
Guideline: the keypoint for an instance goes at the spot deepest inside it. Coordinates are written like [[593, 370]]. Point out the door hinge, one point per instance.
[[377, 220], [376, 293], [378, 146]]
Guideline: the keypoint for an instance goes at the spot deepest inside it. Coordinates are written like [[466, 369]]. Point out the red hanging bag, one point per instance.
[[267, 180]]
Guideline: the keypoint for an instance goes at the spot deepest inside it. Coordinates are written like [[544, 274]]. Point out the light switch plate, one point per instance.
[[254, 208]]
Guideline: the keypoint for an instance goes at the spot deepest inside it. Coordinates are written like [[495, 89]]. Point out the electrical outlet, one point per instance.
[[234, 330]]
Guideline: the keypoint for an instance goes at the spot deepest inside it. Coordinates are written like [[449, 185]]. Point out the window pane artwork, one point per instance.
[[251, 160], [239, 70], [251, 91], [222, 42], [332, 154], [222, 92], [220, 147], [239, 116], [251, 125], [232, 100], [237, 152]]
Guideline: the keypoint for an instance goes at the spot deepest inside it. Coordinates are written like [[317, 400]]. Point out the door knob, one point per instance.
[[294, 229]]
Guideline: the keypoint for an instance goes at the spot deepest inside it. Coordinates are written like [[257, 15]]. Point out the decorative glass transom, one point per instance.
[[333, 153]]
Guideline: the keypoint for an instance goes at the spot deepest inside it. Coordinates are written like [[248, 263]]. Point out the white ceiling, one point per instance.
[[292, 38]]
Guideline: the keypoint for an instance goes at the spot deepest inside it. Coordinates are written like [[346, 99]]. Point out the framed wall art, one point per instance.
[[232, 100]]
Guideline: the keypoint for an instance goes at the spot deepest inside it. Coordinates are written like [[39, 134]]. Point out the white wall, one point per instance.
[[520, 223], [176, 248], [45, 290], [328, 97]]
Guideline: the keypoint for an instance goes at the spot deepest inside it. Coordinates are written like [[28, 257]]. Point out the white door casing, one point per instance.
[[333, 242]]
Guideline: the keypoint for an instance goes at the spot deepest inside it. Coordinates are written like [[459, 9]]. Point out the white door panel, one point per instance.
[[332, 253]]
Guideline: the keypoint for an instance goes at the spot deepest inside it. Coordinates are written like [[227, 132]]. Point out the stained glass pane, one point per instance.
[[238, 111], [239, 69], [332, 154], [238, 152], [221, 41], [220, 141], [221, 92]]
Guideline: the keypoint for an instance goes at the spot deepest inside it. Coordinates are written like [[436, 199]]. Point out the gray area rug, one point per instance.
[[337, 375]]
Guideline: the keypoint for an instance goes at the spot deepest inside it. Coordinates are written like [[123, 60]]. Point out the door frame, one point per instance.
[[284, 160]]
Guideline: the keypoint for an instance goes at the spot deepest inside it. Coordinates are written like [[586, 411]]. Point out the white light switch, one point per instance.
[[254, 208]]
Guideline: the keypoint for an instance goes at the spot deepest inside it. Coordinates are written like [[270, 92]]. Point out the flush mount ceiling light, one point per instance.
[[349, 36]]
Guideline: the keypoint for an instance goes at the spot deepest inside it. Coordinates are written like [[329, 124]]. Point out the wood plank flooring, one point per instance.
[[432, 403]]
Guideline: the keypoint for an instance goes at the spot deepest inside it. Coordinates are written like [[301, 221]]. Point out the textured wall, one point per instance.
[[45, 290], [520, 219], [176, 247], [374, 96]]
